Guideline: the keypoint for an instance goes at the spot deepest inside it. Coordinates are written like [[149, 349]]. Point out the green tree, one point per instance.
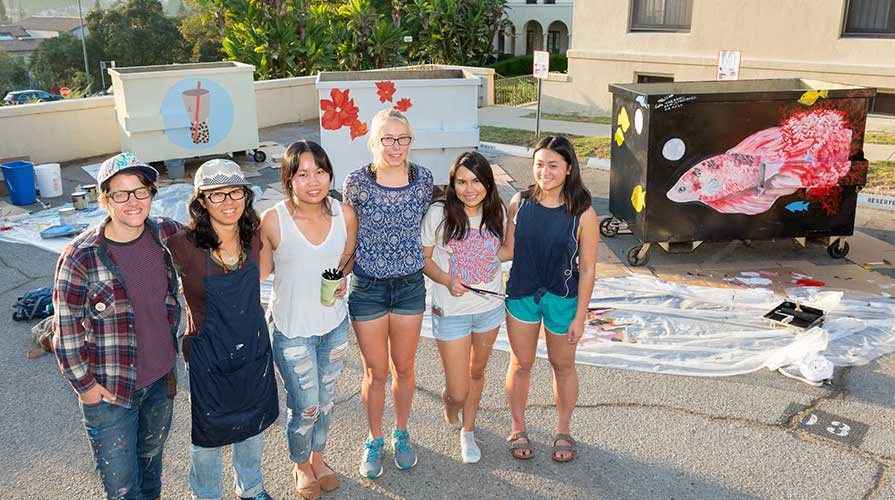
[[57, 61], [4, 19], [201, 33], [453, 32], [135, 33], [13, 73], [281, 38], [369, 39]]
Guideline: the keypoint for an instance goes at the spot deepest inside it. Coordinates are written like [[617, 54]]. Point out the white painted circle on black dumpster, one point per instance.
[[638, 120], [674, 149]]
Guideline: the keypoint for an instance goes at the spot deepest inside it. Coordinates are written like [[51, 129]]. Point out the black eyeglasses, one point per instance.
[[219, 197], [122, 196], [404, 140]]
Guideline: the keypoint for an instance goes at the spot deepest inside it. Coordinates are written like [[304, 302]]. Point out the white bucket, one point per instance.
[[49, 180]]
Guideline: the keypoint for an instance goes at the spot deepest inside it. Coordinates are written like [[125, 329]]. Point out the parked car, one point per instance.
[[26, 96]]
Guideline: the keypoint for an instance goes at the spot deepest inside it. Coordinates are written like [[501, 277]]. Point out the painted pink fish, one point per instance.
[[810, 150]]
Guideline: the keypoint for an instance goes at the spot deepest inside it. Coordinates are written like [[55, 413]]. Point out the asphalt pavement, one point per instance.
[[640, 435]]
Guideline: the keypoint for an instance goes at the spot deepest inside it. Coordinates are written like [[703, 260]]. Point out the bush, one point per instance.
[[522, 65]]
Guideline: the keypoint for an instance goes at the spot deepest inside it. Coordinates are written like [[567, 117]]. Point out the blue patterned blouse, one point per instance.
[[389, 222]]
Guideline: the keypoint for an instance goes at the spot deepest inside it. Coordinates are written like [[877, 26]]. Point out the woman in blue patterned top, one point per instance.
[[388, 294]]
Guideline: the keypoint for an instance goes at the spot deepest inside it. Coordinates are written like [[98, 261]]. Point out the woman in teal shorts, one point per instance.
[[552, 231]]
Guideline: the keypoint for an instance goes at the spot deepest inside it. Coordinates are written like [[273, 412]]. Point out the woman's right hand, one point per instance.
[[455, 286]]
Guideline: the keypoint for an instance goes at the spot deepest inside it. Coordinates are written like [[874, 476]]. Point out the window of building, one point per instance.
[[531, 1], [661, 15], [553, 42], [884, 104], [643, 78], [870, 18], [549, 2]]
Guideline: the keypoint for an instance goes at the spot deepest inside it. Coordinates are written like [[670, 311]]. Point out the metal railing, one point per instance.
[[515, 91]]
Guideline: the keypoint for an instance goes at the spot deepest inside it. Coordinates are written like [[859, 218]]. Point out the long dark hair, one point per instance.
[[455, 218], [290, 162], [575, 195], [200, 222]]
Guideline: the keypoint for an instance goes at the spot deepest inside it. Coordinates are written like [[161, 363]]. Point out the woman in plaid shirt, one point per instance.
[[117, 317]]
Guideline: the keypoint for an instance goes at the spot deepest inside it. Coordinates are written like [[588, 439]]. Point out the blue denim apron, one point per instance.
[[232, 383]]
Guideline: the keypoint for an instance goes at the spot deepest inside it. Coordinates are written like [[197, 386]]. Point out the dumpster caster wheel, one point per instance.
[[609, 227], [633, 258], [836, 251], [259, 156]]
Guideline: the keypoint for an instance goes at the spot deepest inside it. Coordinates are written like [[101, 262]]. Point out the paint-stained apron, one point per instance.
[[233, 390]]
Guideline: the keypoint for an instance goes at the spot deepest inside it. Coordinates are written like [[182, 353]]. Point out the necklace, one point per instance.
[[228, 260]]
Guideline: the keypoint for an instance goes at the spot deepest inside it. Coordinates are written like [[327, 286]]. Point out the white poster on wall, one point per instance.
[[728, 65]]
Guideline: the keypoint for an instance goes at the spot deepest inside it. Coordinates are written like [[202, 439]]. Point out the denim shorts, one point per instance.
[[457, 327], [371, 298], [556, 312]]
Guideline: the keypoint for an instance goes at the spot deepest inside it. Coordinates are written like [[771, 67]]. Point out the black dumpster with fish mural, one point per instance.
[[735, 160]]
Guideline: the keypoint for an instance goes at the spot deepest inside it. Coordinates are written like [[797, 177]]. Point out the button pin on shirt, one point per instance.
[[100, 307]]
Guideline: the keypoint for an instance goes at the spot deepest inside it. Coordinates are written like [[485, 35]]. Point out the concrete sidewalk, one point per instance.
[[641, 435]]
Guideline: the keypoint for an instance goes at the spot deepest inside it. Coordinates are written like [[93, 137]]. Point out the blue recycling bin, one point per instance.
[[19, 177]]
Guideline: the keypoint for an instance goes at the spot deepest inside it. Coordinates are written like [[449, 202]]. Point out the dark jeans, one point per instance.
[[127, 443]]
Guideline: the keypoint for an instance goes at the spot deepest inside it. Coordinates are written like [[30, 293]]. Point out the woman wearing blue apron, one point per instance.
[[233, 391]]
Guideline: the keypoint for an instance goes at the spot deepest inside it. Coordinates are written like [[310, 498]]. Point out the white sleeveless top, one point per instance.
[[295, 299]]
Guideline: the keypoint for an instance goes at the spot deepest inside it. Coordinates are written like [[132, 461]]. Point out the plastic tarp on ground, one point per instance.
[[664, 327], [707, 331]]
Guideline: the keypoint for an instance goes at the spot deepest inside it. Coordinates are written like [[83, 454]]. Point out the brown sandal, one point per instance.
[[571, 448], [328, 482], [310, 491], [517, 448]]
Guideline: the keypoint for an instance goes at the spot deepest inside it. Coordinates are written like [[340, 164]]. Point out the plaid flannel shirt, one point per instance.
[[94, 337]]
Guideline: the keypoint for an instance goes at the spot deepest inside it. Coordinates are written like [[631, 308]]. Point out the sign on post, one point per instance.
[[540, 70], [64, 91]]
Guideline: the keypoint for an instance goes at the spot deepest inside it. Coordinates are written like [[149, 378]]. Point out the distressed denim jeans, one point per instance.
[[127, 443], [205, 469], [310, 367]]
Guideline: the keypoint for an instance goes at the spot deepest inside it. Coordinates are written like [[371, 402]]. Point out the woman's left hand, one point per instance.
[[576, 329]]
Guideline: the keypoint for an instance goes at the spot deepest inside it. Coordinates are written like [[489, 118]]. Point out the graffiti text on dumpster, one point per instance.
[[810, 151], [672, 101]]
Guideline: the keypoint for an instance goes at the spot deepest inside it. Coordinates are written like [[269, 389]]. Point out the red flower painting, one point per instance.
[[358, 129], [403, 105], [339, 111], [385, 90]]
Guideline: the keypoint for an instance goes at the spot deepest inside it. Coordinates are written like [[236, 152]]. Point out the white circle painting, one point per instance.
[[674, 149], [638, 120]]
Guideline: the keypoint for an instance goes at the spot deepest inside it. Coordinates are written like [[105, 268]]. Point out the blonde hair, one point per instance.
[[373, 143]]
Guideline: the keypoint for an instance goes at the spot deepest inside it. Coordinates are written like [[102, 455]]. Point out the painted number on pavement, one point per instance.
[[829, 426]]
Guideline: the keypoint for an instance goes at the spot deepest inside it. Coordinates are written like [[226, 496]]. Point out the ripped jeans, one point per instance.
[[310, 367]]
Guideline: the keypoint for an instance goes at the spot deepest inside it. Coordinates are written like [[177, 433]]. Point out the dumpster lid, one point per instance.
[[180, 67], [740, 90], [390, 74]]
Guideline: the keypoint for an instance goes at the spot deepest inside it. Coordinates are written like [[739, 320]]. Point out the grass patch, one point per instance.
[[881, 178], [585, 147], [604, 120], [879, 138]]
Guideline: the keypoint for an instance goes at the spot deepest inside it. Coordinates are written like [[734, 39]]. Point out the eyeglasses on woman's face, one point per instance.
[[219, 196], [404, 140], [140, 193]]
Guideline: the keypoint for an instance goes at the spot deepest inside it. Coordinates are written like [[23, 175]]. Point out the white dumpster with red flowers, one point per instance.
[[442, 106]]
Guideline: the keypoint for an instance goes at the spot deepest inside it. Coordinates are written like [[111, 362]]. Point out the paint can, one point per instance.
[[67, 217], [79, 200], [90, 189]]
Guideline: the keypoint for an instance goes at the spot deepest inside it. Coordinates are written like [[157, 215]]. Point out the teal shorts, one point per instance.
[[556, 312]]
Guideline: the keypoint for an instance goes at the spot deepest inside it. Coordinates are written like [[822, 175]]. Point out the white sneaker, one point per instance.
[[793, 372], [469, 451]]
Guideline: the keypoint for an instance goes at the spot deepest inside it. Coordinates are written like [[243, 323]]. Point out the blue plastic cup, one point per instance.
[[19, 177]]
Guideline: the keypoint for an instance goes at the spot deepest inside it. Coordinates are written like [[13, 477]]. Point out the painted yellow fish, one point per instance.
[[811, 96], [638, 198]]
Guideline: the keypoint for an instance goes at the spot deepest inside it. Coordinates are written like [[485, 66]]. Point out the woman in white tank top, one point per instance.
[[302, 236]]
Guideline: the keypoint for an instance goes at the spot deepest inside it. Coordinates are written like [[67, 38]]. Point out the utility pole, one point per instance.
[[84, 46]]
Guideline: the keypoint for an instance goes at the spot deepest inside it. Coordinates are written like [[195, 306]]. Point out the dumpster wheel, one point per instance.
[[609, 226], [259, 156], [836, 251], [638, 255]]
